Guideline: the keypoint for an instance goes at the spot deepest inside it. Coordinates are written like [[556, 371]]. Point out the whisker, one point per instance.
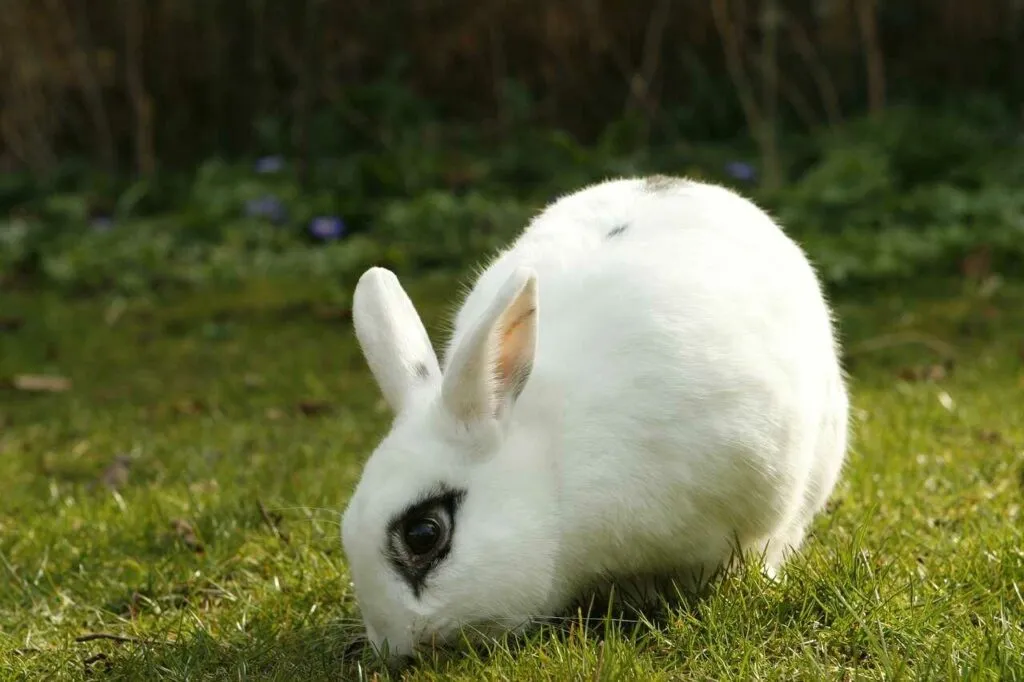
[[322, 510]]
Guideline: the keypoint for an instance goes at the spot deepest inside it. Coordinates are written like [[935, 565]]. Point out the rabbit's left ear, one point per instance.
[[492, 363], [392, 336]]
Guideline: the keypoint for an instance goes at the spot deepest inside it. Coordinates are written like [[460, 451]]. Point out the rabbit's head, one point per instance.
[[452, 525]]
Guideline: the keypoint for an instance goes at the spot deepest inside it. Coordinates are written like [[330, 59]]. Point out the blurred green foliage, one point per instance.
[[907, 193]]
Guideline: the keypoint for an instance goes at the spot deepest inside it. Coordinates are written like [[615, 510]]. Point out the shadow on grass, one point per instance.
[[337, 650]]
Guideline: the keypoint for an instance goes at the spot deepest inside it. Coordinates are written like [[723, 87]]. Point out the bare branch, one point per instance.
[[734, 63], [145, 155], [822, 80], [874, 59], [640, 82], [79, 47]]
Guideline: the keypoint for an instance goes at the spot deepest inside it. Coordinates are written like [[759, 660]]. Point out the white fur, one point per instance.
[[683, 393], [391, 334]]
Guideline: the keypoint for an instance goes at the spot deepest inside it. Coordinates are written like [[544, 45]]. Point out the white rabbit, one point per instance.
[[645, 382]]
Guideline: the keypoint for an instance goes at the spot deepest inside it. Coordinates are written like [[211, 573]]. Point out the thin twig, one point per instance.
[[80, 48], [26, 651], [734, 63], [95, 658], [93, 636], [900, 339], [145, 156], [874, 60], [27, 117], [796, 99], [770, 20], [269, 520], [819, 72], [640, 82]]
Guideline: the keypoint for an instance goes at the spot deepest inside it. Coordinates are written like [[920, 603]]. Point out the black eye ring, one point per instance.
[[420, 536]]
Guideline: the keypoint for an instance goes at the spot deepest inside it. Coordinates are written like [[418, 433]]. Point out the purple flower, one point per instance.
[[266, 207], [102, 223], [269, 164], [327, 228], [740, 170]]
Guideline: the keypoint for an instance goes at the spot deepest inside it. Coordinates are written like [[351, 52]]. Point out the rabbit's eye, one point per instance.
[[420, 537], [425, 534]]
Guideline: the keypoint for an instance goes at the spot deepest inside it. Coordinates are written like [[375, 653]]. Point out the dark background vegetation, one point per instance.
[[176, 143]]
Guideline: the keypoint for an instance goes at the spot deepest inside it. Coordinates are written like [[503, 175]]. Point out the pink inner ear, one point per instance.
[[515, 348], [493, 362]]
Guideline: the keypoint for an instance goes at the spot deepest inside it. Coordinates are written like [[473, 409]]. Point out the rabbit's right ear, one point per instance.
[[392, 336]]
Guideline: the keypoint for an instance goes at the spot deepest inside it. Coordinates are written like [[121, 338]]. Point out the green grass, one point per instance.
[[226, 402]]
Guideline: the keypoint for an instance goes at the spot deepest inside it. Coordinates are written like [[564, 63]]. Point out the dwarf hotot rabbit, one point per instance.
[[645, 383]]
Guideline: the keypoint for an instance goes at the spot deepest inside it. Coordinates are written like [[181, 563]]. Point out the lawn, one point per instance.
[[183, 495]]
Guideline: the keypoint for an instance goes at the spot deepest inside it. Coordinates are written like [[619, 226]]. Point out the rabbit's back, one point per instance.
[[685, 368]]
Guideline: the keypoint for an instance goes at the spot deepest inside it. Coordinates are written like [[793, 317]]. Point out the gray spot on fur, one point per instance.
[[661, 183], [616, 231], [422, 371]]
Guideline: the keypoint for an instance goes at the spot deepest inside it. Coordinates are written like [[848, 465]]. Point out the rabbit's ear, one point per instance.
[[391, 334], [492, 363]]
